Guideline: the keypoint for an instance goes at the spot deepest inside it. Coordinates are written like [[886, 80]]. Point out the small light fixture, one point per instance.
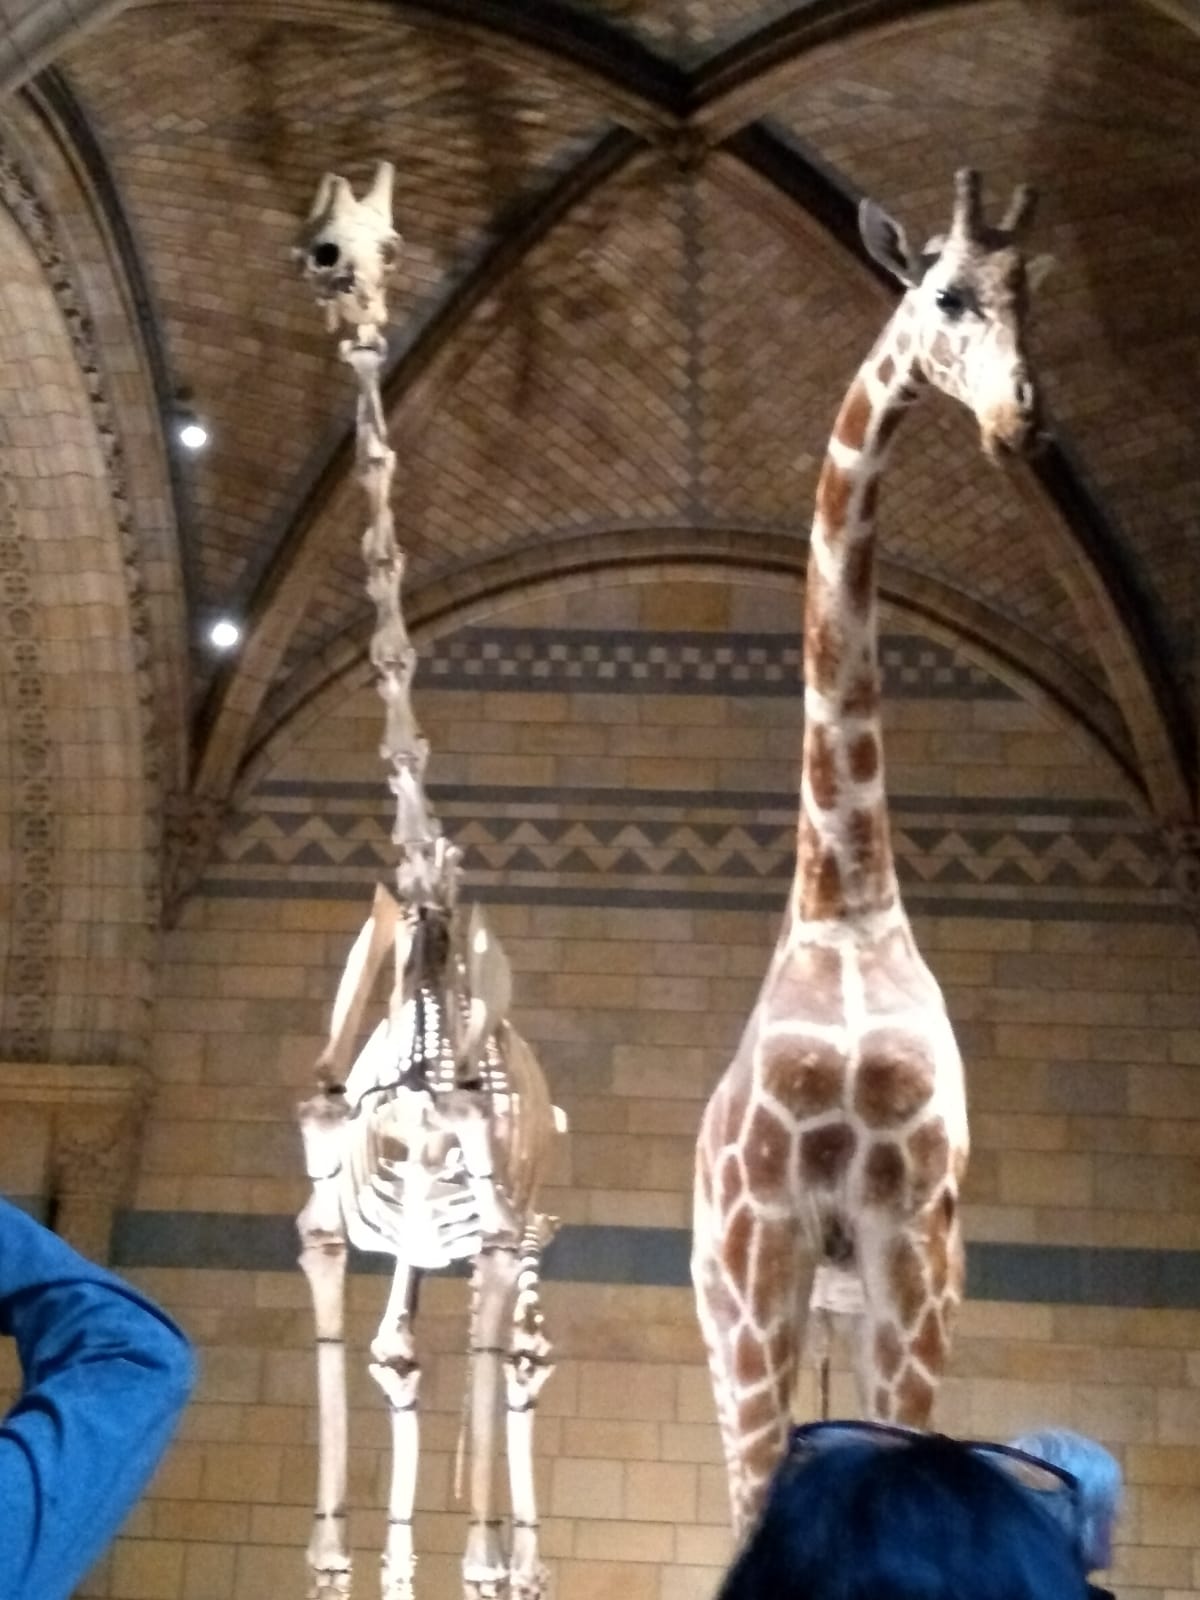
[[224, 634], [190, 430], [191, 433]]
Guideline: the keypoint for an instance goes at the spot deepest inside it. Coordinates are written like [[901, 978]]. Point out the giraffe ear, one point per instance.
[[887, 244]]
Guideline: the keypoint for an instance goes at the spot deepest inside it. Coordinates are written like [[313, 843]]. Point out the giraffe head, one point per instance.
[[966, 308]]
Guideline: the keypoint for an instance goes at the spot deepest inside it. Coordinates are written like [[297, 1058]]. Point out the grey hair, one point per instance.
[[1098, 1473]]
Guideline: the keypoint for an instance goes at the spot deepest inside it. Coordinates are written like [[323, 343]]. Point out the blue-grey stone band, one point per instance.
[[1080, 1275]]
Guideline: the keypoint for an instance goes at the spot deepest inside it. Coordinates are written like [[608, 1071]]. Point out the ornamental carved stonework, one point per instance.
[[191, 823], [93, 1117], [20, 198]]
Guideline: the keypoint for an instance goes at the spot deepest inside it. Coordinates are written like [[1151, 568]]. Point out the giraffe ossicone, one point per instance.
[[837, 1138]]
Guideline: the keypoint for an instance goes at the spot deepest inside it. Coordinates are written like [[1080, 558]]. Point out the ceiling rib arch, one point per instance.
[[1151, 700], [454, 601]]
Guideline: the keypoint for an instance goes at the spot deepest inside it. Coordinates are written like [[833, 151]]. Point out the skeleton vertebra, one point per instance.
[[429, 1148]]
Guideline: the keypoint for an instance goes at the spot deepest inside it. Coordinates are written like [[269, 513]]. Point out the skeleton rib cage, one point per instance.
[[430, 1152]]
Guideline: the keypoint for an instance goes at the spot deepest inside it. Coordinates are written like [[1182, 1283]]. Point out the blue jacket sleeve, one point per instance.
[[106, 1375]]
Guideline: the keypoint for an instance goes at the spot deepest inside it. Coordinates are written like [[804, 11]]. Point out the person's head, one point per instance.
[[913, 1517], [1098, 1474]]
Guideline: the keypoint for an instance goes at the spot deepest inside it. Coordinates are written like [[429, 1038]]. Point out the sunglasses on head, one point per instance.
[[1053, 1486]]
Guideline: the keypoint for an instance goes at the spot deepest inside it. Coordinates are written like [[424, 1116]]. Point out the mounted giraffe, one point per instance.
[[839, 1132]]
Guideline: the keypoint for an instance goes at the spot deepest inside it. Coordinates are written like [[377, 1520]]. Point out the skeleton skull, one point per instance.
[[349, 249]]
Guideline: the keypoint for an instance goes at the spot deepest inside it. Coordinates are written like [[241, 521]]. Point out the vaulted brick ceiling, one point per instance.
[[632, 299]]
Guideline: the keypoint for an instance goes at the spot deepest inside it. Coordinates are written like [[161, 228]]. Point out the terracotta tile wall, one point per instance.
[[628, 841]]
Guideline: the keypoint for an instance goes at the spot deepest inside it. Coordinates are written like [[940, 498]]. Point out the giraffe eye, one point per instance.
[[951, 302]]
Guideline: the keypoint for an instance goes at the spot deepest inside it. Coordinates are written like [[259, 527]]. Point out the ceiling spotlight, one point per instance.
[[224, 634], [186, 425], [190, 431]]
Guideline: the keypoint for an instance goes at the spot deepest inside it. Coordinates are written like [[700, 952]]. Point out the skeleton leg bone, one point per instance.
[[323, 1258], [525, 1372], [395, 1369], [485, 1569]]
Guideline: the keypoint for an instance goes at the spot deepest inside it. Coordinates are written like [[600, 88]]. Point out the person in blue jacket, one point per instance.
[[106, 1376]]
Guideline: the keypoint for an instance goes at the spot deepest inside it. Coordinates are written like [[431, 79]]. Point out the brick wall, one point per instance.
[[620, 769]]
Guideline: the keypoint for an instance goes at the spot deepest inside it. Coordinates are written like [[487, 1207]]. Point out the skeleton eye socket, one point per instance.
[[951, 302], [325, 254]]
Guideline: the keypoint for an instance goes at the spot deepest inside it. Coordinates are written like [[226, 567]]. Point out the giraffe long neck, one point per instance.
[[844, 863]]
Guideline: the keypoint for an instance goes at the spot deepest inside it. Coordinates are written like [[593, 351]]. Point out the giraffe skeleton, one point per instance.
[[430, 1147], [837, 1140]]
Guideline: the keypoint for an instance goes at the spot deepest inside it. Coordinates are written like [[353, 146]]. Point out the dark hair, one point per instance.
[[927, 1521]]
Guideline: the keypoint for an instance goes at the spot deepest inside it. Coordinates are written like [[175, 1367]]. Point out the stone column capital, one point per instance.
[[94, 1117]]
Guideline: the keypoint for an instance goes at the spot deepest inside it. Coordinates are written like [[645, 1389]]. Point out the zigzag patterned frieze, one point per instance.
[[738, 664], [590, 848]]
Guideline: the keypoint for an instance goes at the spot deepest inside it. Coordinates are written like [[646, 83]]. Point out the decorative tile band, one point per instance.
[[530, 660], [545, 846], [1038, 1274]]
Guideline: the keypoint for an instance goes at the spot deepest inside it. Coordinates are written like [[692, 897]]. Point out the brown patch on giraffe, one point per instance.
[[944, 1248], [825, 1154], [818, 874], [906, 1280], [807, 986], [862, 696], [737, 1244], [941, 351], [914, 1399], [774, 1282], [867, 832], [805, 1075], [767, 1152], [833, 495], [894, 1078], [929, 1149], [937, 1252], [823, 655], [821, 764], [886, 370], [854, 418], [889, 1351], [781, 1349], [882, 1407], [929, 1346], [825, 900], [758, 1411], [864, 758], [749, 1358], [883, 1175], [860, 574], [730, 1180]]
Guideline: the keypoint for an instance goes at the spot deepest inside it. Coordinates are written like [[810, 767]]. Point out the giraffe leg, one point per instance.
[[395, 1369], [752, 1276], [912, 1271]]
